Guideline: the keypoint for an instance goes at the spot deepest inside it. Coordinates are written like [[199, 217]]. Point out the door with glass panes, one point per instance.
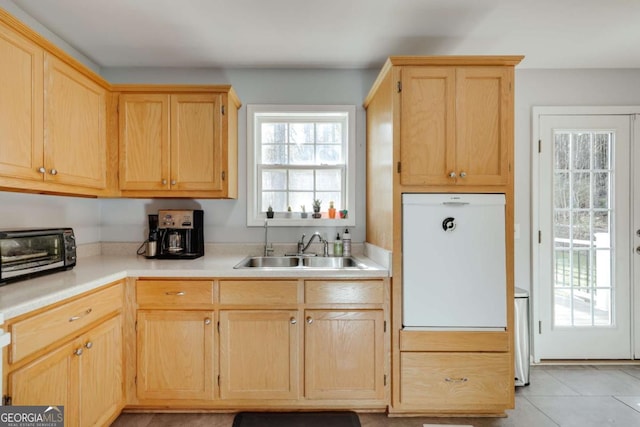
[[584, 282]]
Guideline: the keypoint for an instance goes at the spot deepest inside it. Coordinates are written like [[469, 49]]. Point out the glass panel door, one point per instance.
[[584, 237]]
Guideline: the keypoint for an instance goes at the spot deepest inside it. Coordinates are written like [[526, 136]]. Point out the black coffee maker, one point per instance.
[[180, 234]]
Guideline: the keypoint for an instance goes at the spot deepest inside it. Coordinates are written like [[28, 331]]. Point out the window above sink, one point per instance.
[[297, 154]]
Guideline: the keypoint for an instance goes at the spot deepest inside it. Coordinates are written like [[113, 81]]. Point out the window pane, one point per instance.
[[601, 151], [562, 190], [601, 190], [562, 151], [301, 180], [299, 198], [330, 154], [326, 197], [274, 154], [581, 191], [581, 151], [328, 179], [301, 133], [301, 155], [561, 228], [274, 179], [581, 227], [274, 133], [329, 132], [602, 309], [276, 199]]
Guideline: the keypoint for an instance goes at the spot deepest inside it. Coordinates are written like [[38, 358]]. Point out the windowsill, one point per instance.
[[303, 222]]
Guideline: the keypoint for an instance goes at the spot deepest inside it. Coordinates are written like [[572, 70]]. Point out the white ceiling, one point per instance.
[[343, 33]]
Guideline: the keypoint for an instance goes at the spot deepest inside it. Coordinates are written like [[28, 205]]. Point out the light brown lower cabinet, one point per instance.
[[259, 352], [455, 382], [344, 352], [85, 376], [175, 354]]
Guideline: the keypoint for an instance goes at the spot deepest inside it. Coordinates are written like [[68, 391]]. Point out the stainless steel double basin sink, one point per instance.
[[288, 262]]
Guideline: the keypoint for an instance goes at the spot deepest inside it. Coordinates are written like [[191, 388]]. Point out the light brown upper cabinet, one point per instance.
[[75, 127], [178, 144], [53, 125], [456, 125], [21, 74]]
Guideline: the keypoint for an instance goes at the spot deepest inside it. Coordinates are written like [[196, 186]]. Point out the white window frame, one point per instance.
[[256, 217]]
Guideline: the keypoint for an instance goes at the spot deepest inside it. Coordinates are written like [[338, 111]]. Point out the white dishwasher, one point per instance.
[[454, 261]]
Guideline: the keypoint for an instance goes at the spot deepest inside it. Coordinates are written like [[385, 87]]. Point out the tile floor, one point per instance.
[[567, 396]]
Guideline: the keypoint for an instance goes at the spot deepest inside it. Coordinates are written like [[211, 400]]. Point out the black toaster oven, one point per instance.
[[25, 253]]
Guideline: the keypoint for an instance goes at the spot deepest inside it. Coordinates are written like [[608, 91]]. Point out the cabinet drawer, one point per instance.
[[344, 292], [454, 341], [455, 381], [35, 333], [258, 292], [173, 293]]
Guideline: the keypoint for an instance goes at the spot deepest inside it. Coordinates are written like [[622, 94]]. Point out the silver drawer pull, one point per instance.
[[74, 318], [457, 380], [178, 294]]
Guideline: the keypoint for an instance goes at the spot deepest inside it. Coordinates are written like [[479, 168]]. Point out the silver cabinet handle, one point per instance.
[[293, 320], [78, 352], [177, 294], [89, 344], [456, 380], [53, 172], [164, 182], [80, 316], [173, 182], [452, 175], [309, 320], [463, 174], [41, 169], [207, 321]]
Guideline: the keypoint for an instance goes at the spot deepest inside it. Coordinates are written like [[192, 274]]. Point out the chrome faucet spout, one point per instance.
[[302, 247], [268, 249]]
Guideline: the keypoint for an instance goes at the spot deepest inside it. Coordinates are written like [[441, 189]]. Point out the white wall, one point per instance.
[[225, 220], [596, 87]]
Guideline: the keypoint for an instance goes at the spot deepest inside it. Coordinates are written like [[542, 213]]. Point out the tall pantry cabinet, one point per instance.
[[442, 125]]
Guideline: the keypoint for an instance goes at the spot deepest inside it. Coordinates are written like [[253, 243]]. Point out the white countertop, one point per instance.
[[92, 272]]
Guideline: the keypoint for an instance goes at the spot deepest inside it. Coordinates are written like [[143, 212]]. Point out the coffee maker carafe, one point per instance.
[[180, 234]]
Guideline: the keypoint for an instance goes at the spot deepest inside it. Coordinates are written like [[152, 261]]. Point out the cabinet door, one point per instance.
[[259, 354], [484, 118], [427, 131], [75, 130], [21, 74], [144, 141], [344, 354], [49, 380], [196, 142], [175, 354], [101, 375]]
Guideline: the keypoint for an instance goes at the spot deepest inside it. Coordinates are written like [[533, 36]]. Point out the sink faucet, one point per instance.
[[268, 249], [302, 247]]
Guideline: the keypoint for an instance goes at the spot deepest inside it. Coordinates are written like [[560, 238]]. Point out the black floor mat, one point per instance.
[[296, 419]]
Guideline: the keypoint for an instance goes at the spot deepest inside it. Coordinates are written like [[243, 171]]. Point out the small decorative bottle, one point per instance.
[[337, 246], [332, 210]]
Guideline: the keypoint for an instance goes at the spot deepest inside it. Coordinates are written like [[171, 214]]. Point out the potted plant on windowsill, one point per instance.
[[303, 214], [316, 208], [269, 212]]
